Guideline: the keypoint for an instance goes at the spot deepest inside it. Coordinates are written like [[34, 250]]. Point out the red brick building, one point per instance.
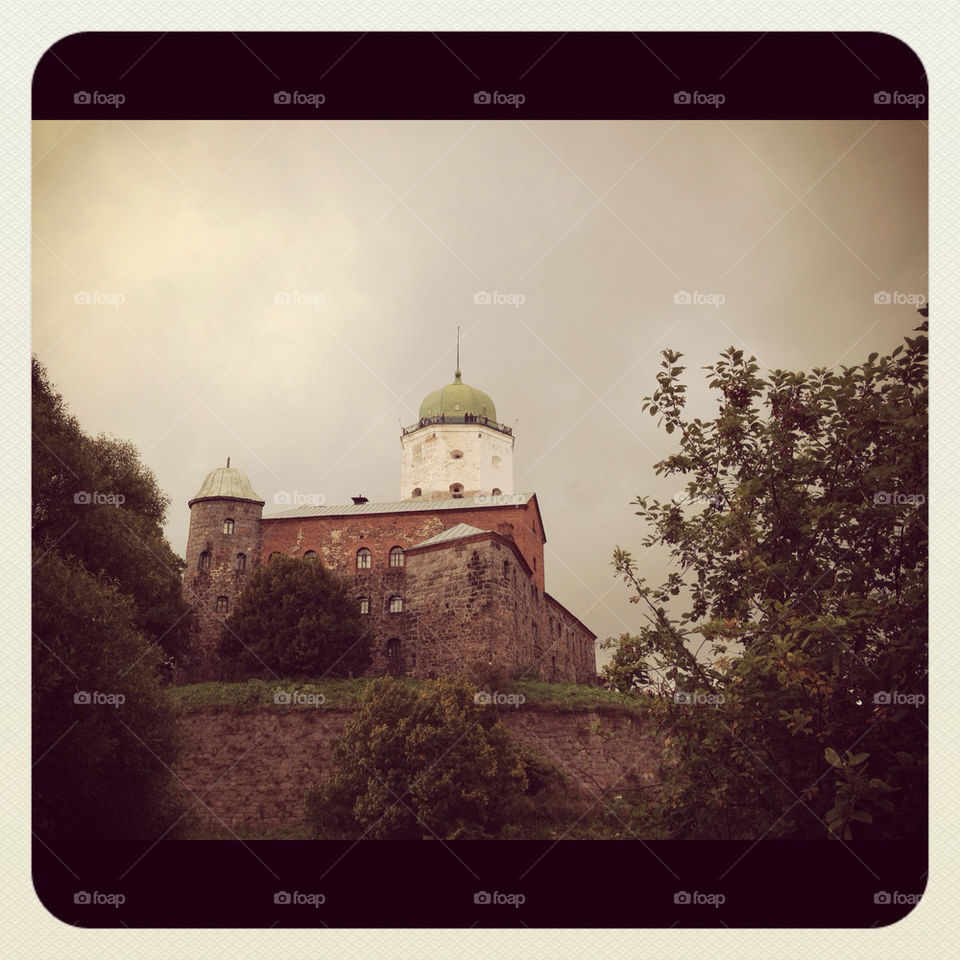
[[449, 578]]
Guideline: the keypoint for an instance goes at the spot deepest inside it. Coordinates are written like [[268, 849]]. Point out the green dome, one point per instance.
[[457, 399]]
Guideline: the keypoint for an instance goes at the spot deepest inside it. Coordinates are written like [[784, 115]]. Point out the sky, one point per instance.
[[164, 252]]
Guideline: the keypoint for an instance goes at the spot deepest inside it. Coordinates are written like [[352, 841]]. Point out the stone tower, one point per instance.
[[223, 548], [457, 448]]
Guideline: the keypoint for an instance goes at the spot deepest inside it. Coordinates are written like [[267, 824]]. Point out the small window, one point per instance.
[[228, 525], [393, 648], [456, 454], [496, 491], [416, 492], [364, 605], [310, 555], [396, 605], [204, 561], [363, 559], [495, 462], [240, 564], [456, 491], [222, 604], [396, 556], [506, 568], [274, 555]]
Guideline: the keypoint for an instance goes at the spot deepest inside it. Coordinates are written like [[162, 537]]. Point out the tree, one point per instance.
[[95, 501], [433, 764], [295, 618], [792, 691]]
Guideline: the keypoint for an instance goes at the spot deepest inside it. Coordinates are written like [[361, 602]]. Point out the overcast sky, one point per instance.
[[386, 231]]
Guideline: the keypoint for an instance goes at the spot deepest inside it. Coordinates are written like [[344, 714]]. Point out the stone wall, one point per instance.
[[246, 771]]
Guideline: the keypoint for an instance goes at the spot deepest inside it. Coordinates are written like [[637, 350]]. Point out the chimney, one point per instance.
[[359, 500]]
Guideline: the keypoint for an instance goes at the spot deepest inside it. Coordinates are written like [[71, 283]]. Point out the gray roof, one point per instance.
[[415, 505], [458, 532], [226, 482]]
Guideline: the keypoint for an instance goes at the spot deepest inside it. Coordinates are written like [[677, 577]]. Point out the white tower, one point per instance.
[[457, 448]]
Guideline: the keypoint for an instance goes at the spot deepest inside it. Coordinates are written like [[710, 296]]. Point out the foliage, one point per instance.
[[295, 618], [790, 696], [101, 771], [432, 763], [121, 540]]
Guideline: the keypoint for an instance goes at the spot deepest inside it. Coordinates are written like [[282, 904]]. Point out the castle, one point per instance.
[[450, 575]]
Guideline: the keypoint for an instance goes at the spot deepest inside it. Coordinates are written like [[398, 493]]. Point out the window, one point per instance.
[[396, 604], [494, 461], [396, 556], [228, 525], [416, 492], [363, 559], [310, 555], [456, 491], [204, 561], [506, 569], [274, 555], [364, 605], [456, 454], [393, 648], [222, 605], [496, 491], [240, 564]]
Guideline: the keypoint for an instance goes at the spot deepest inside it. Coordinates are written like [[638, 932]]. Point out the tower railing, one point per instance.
[[470, 418]]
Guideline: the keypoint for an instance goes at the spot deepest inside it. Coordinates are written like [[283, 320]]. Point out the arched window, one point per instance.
[[274, 555], [396, 604], [396, 556], [496, 491], [393, 648], [363, 559], [364, 605], [416, 492], [456, 491], [240, 564], [222, 604], [204, 562], [228, 525], [310, 555], [456, 454]]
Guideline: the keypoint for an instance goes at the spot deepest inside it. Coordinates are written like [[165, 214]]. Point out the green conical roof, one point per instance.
[[226, 483], [456, 399]]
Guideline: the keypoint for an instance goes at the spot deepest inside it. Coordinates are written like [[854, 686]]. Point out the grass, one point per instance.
[[345, 694]]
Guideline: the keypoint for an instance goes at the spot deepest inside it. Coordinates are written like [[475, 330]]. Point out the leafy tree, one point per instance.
[[433, 764], [121, 537], [800, 550], [295, 618]]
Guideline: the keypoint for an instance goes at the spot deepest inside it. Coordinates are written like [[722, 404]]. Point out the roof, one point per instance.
[[227, 483], [414, 505], [458, 532], [456, 399]]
